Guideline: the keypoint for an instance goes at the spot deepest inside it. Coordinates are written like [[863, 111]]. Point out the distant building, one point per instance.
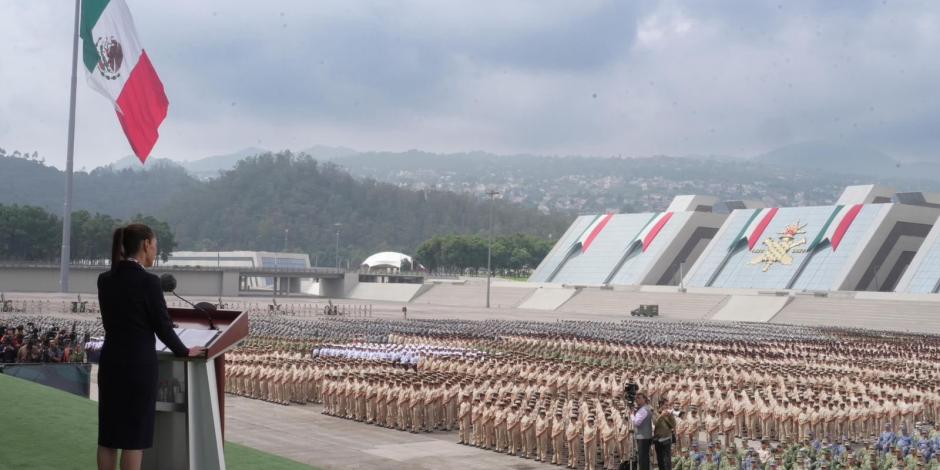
[[871, 239], [241, 259], [633, 249], [864, 242]]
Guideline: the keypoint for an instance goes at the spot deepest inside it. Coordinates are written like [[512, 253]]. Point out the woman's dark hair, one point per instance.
[[127, 240]]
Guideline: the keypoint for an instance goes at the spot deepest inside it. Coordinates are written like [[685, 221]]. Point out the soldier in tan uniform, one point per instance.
[[590, 444], [404, 406], [526, 427], [558, 437], [465, 420], [476, 420], [542, 431], [512, 429], [499, 423], [572, 433], [418, 395], [489, 426], [610, 442]]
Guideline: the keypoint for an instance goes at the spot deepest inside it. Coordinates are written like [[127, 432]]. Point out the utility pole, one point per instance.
[[489, 251]]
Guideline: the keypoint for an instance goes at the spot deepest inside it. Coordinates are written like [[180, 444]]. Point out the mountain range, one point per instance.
[[275, 202]]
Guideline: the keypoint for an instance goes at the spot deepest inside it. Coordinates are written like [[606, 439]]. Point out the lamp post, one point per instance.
[[337, 226], [489, 250]]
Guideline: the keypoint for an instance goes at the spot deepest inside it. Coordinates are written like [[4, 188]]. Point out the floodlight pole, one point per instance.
[[489, 250]]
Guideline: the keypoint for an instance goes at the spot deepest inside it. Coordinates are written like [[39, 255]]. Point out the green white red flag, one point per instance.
[[118, 67]]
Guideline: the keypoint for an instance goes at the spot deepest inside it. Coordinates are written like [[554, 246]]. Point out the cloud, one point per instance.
[[539, 76]]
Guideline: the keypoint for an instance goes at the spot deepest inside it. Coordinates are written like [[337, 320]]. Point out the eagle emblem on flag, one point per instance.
[[112, 56]]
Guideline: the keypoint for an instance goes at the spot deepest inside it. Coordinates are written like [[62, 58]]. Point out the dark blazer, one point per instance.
[[132, 310]]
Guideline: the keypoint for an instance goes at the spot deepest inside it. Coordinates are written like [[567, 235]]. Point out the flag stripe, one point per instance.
[[142, 107], [594, 233], [821, 237], [91, 12], [755, 236], [648, 239], [844, 226], [743, 233]]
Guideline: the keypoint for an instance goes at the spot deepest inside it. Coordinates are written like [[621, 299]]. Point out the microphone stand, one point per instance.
[[208, 315]]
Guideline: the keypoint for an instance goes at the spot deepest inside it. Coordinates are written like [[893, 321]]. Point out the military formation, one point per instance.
[[744, 395]]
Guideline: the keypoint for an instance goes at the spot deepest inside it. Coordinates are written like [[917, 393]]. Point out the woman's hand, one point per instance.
[[197, 351]]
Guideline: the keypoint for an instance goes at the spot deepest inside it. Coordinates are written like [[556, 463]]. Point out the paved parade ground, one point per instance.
[[302, 434]]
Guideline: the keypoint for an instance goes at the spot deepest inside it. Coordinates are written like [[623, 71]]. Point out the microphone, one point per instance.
[[168, 283]]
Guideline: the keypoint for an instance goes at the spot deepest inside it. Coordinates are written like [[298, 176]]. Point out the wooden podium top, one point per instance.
[[232, 326]]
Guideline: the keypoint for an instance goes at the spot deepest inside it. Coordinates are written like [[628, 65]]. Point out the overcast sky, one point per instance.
[[584, 77]]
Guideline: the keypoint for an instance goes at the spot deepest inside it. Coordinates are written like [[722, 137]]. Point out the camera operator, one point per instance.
[[663, 434], [643, 421]]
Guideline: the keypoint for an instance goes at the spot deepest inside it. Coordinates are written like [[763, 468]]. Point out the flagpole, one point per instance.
[[65, 257]]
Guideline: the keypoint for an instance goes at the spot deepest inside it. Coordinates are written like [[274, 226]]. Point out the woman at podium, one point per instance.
[[132, 310]]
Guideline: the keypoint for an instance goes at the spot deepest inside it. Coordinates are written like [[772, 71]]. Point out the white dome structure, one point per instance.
[[388, 261]]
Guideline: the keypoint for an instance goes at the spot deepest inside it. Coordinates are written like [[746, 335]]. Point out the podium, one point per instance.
[[190, 412]]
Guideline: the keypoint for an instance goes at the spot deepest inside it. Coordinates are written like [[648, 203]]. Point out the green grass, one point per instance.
[[47, 428]]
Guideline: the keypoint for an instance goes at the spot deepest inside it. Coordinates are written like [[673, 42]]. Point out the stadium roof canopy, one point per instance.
[[387, 260]]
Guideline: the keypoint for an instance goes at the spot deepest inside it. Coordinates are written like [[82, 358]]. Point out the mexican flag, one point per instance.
[[118, 67]]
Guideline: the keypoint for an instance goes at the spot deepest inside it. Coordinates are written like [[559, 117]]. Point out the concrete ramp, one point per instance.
[[753, 308], [389, 292], [548, 298]]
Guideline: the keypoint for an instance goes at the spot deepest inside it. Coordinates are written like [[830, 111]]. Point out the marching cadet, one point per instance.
[[590, 444], [542, 430], [512, 429], [432, 397], [392, 393], [476, 421], [404, 405], [625, 435], [417, 401], [610, 442], [529, 444], [803, 423], [381, 403], [712, 426], [572, 433], [558, 437], [372, 393], [815, 420], [451, 406], [489, 426], [499, 423], [465, 420], [727, 428]]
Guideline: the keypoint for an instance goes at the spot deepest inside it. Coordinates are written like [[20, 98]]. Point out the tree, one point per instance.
[[28, 233], [31, 233], [458, 252]]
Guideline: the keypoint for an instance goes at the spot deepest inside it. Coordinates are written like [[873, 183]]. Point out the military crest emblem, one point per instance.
[[781, 250], [111, 56]]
